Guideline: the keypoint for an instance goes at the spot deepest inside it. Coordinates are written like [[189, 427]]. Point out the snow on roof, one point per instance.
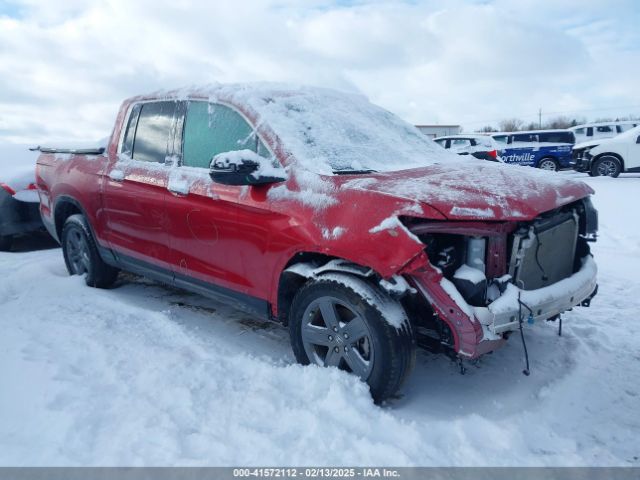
[[462, 135], [541, 130], [327, 130], [613, 122]]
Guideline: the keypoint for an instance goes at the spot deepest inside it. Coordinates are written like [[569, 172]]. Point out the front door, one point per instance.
[[218, 233]]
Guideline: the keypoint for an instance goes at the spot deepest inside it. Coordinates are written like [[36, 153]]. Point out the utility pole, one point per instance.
[[540, 118]]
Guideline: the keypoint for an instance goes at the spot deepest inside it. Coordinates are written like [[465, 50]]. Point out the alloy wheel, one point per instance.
[[78, 252], [607, 168], [335, 335], [548, 165]]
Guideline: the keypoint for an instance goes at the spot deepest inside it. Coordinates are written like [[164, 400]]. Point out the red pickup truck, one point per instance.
[[324, 212]]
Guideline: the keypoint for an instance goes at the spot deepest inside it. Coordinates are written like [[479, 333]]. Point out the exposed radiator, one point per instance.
[[544, 253]]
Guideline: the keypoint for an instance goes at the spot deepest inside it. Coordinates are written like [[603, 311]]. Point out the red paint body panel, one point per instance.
[[242, 238]]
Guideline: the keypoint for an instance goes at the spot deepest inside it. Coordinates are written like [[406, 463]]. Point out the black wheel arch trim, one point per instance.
[[105, 253]]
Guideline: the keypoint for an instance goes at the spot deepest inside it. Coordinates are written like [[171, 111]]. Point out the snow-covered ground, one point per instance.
[[146, 375]]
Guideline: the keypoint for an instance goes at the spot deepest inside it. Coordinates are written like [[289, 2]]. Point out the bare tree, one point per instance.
[[511, 125], [488, 129], [558, 122]]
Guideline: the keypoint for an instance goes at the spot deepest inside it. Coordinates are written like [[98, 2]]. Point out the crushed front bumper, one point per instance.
[[503, 314], [478, 330]]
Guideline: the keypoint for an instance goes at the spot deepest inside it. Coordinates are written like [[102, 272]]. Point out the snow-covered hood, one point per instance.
[[589, 143], [478, 191]]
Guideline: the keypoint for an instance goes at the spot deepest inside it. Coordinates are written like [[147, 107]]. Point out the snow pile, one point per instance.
[[147, 375]]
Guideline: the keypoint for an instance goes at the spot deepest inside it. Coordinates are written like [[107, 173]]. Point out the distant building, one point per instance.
[[433, 131]]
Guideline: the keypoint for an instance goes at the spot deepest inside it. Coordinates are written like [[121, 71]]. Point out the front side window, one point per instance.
[[441, 142], [211, 129], [153, 133], [605, 129]]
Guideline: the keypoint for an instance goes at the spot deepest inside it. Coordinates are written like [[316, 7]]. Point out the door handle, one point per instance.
[[178, 192], [116, 175]]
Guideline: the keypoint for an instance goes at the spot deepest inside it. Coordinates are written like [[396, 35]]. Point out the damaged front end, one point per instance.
[[479, 280]]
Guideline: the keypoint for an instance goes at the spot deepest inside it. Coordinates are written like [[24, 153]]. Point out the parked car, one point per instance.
[[319, 210], [609, 156], [19, 212], [592, 131], [479, 146], [544, 149]]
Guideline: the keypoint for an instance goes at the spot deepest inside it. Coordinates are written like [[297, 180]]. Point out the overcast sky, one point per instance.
[[66, 66]]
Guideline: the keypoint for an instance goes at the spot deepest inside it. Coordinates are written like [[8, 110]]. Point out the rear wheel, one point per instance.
[[5, 243], [607, 166], [81, 254], [548, 164], [338, 321]]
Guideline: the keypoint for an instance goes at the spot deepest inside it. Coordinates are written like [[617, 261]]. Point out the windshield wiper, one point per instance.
[[353, 172]]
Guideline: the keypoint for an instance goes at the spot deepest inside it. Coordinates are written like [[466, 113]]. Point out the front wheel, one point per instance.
[[81, 254], [548, 164], [342, 321], [607, 166]]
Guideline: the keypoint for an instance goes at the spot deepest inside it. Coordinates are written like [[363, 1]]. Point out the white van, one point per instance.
[[591, 131]]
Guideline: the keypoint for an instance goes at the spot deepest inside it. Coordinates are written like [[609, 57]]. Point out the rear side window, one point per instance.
[[501, 138], [211, 129], [580, 131], [441, 142], [604, 129], [557, 137], [154, 132], [525, 137], [460, 142]]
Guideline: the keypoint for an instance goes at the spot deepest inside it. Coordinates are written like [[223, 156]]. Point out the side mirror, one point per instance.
[[244, 167], [638, 139]]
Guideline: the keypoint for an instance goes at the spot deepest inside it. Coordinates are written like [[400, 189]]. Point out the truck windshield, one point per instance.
[[331, 132]]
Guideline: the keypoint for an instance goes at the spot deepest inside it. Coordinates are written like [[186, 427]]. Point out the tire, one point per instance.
[[338, 320], [81, 254], [5, 243], [607, 166], [548, 163]]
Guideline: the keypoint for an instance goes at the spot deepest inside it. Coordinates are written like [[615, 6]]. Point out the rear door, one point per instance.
[[135, 186]]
